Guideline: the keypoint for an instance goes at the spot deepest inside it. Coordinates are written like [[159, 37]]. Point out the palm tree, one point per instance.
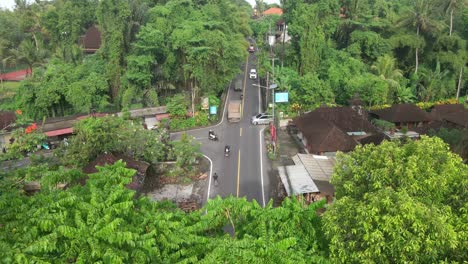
[[433, 84], [449, 6], [27, 53], [385, 68], [422, 17]]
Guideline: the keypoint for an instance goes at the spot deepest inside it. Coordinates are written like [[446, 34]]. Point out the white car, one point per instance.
[[261, 119], [253, 74]]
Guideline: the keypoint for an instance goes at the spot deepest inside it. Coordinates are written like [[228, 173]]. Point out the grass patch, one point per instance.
[[8, 91]]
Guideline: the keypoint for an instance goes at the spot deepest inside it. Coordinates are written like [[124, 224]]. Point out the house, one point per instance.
[[91, 40], [331, 129], [457, 120], [320, 136], [282, 32], [402, 115], [309, 177], [273, 11], [439, 111], [447, 116]]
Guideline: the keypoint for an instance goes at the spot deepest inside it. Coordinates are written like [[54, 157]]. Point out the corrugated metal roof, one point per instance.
[[296, 180], [319, 167]]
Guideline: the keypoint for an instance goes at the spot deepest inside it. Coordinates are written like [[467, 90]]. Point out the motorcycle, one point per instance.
[[227, 150], [212, 136]]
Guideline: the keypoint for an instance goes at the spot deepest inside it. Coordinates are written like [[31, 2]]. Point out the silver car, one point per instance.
[[262, 119]]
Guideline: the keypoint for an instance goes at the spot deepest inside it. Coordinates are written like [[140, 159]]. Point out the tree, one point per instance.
[[434, 84], [422, 17], [113, 16], [102, 221], [394, 206], [185, 152], [371, 89], [27, 53], [449, 6], [311, 92], [94, 136], [385, 68]]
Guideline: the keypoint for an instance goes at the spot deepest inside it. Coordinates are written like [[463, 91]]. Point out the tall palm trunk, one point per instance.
[[417, 51], [451, 22], [459, 82]]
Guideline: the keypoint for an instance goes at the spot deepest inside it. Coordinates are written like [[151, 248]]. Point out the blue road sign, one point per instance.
[[213, 110], [282, 97]]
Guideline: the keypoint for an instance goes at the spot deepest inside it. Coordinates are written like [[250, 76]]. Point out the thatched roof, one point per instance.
[[91, 41], [402, 113], [322, 135], [345, 118], [439, 111], [459, 118]]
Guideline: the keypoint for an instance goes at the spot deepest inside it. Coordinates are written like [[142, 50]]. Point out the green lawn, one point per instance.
[[7, 93]]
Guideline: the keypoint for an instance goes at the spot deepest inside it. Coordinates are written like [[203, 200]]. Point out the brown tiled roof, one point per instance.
[[439, 111], [433, 125], [322, 135], [402, 113], [375, 139], [91, 41], [345, 118], [459, 118], [6, 119]]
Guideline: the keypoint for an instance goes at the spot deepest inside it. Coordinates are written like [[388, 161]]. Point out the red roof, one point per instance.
[[59, 132], [16, 75], [273, 11], [160, 117]]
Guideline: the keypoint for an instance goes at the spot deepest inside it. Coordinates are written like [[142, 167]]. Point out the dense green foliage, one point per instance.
[[399, 203], [102, 222], [457, 140], [150, 49], [94, 136], [386, 51]]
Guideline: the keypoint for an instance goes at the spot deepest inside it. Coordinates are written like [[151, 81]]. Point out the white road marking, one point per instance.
[[261, 164], [209, 181]]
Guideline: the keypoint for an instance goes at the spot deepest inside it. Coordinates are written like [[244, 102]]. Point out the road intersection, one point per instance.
[[244, 172]]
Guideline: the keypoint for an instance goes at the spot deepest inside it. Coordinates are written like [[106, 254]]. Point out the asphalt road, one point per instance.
[[244, 172]]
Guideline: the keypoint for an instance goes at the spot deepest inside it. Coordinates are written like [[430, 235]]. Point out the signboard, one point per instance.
[[282, 97], [271, 40], [205, 103], [213, 110]]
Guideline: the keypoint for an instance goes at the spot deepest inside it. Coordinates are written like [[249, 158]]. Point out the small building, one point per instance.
[[309, 178], [282, 32], [91, 40], [402, 115], [273, 11], [439, 111], [449, 116], [332, 129], [458, 119], [319, 136]]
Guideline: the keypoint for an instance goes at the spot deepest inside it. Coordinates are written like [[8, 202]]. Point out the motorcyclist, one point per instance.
[[211, 134], [227, 149]]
